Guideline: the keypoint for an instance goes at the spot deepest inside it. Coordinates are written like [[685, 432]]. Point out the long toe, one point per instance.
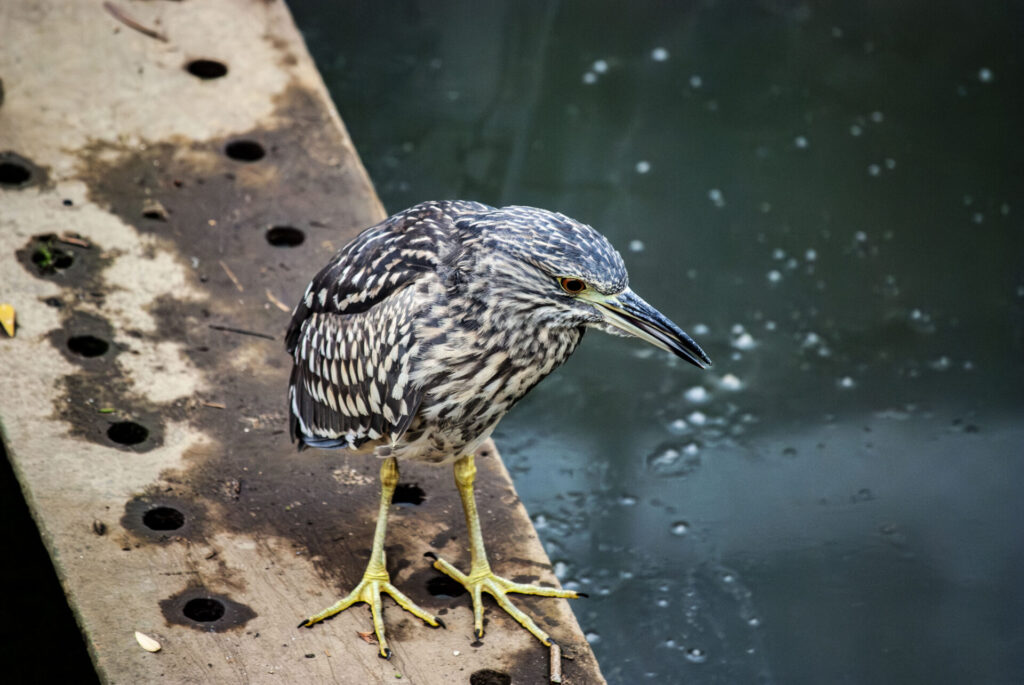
[[369, 591], [496, 586]]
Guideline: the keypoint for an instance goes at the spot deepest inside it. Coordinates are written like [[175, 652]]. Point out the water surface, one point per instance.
[[827, 196]]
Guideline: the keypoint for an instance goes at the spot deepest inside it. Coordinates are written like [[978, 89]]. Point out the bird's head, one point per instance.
[[565, 273]]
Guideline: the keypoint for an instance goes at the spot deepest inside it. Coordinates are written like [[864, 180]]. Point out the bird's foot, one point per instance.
[[484, 580], [369, 590]]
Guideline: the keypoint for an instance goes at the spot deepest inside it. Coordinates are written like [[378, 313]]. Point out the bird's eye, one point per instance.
[[573, 286]]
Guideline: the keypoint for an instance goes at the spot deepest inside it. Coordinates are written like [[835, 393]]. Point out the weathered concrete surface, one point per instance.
[[125, 222]]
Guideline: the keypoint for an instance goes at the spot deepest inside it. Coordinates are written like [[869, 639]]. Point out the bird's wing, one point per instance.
[[352, 336], [350, 383]]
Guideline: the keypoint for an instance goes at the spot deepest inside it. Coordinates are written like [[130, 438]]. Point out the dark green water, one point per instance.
[[828, 196]]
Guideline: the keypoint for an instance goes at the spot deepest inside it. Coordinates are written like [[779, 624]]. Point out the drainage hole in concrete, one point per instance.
[[203, 609], [285, 236], [489, 677], [127, 433], [88, 345], [408, 493], [49, 258], [245, 150], [444, 586], [163, 518], [207, 68], [13, 175]]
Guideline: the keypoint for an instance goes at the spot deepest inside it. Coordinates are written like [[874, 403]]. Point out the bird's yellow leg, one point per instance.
[[376, 579], [481, 578]]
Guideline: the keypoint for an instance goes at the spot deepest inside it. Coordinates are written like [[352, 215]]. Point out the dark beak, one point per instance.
[[628, 312]]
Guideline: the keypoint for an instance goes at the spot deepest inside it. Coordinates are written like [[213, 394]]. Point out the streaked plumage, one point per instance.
[[420, 334]]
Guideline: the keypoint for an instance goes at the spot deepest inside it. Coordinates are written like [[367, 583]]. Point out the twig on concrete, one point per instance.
[[241, 331], [119, 14], [277, 303], [231, 275], [555, 673], [73, 240]]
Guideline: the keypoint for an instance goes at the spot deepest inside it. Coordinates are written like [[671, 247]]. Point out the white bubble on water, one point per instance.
[[978, 217], [560, 569], [628, 501], [730, 382], [678, 426], [846, 383], [855, 130], [778, 253], [716, 197], [701, 329], [877, 117], [636, 246], [600, 66], [774, 276], [661, 602], [680, 528], [696, 394], [874, 169], [696, 81], [590, 78], [890, 163], [592, 637], [659, 54], [744, 341], [801, 142], [691, 449], [985, 75], [696, 655], [643, 166], [811, 254], [697, 418]]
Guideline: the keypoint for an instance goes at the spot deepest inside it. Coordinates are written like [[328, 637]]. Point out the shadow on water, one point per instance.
[[826, 196]]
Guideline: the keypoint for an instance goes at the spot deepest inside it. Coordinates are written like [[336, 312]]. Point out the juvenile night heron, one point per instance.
[[419, 335]]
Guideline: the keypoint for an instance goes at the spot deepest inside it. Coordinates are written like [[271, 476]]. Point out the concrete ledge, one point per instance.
[[158, 218]]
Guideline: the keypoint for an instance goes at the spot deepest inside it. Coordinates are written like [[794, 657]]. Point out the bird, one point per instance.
[[420, 334]]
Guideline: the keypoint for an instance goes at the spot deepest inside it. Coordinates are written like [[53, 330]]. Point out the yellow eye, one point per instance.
[[573, 286]]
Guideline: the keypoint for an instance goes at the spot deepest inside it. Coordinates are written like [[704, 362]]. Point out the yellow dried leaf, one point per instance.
[[7, 318]]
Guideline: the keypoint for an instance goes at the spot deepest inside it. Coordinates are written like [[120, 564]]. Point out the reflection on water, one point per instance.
[[826, 196]]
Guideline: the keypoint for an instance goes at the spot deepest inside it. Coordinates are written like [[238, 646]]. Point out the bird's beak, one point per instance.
[[627, 311]]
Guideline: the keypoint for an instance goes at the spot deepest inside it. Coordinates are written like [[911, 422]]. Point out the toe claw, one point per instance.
[[385, 653], [584, 595], [305, 624], [430, 555], [440, 623]]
